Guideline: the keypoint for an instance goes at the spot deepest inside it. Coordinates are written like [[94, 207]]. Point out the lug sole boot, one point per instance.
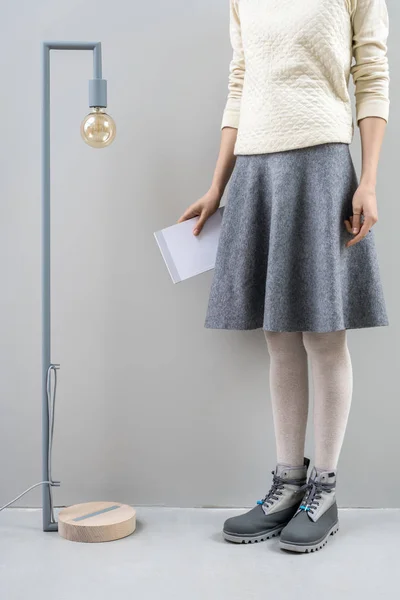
[[317, 517], [270, 515]]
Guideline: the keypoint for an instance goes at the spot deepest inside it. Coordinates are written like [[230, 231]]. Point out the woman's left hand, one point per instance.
[[364, 203]]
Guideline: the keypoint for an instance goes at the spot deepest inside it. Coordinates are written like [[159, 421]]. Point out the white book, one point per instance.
[[186, 254]]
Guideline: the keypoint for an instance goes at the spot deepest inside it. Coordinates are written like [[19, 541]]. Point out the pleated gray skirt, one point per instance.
[[281, 262]]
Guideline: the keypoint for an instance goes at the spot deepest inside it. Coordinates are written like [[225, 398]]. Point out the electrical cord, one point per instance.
[[51, 404]]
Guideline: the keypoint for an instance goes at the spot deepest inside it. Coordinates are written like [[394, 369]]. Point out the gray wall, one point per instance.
[[152, 408]]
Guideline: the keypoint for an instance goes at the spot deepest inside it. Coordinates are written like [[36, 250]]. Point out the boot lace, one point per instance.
[[276, 488], [313, 494]]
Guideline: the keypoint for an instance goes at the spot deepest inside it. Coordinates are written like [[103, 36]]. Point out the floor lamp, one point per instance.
[[98, 130]]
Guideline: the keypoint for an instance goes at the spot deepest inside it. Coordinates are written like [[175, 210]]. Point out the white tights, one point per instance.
[[333, 385]]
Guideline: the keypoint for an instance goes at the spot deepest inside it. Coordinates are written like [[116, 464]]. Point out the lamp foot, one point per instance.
[[96, 522]]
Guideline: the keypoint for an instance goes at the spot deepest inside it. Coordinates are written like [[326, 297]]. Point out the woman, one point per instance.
[[296, 255]]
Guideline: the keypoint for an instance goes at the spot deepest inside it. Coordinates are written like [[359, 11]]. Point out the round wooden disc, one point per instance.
[[96, 522]]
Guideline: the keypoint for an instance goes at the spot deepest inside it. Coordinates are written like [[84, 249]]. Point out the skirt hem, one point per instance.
[[346, 326]]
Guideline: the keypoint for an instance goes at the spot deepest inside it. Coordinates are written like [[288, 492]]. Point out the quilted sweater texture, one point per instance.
[[290, 71]]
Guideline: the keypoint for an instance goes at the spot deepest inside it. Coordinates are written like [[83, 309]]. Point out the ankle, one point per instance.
[[327, 472], [325, 469], [291, 464]]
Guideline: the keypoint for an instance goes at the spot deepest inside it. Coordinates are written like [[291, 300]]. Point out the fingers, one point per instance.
[[348, 225], [366, 226], [189, 213], [203, 211], [356, 223], [200, 223]]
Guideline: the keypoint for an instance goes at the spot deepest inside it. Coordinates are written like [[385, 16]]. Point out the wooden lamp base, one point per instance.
[[96, 522]]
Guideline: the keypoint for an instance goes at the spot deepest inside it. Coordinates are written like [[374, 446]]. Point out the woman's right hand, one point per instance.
[[209, 203], [203, 208]]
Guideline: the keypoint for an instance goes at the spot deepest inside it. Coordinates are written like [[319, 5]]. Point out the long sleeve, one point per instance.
[[370, 71], [236, 71]]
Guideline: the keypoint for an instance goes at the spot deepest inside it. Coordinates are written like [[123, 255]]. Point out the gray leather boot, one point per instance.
[[272, 513], [317, 517]]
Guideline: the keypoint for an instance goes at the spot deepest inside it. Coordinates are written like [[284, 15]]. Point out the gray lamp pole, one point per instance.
[[98, 130]]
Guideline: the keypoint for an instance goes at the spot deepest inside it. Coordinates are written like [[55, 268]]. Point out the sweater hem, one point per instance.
[[241, 148]]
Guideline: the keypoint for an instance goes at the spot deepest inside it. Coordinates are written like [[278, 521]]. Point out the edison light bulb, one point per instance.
[[98, 129]]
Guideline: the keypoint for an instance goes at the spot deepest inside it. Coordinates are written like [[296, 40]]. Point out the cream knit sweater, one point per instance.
[[289, 75]]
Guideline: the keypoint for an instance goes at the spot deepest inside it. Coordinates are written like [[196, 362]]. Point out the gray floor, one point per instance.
[[179, 554]]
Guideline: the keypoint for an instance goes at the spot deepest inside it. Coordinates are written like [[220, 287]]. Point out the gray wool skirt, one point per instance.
[[281, 262]]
